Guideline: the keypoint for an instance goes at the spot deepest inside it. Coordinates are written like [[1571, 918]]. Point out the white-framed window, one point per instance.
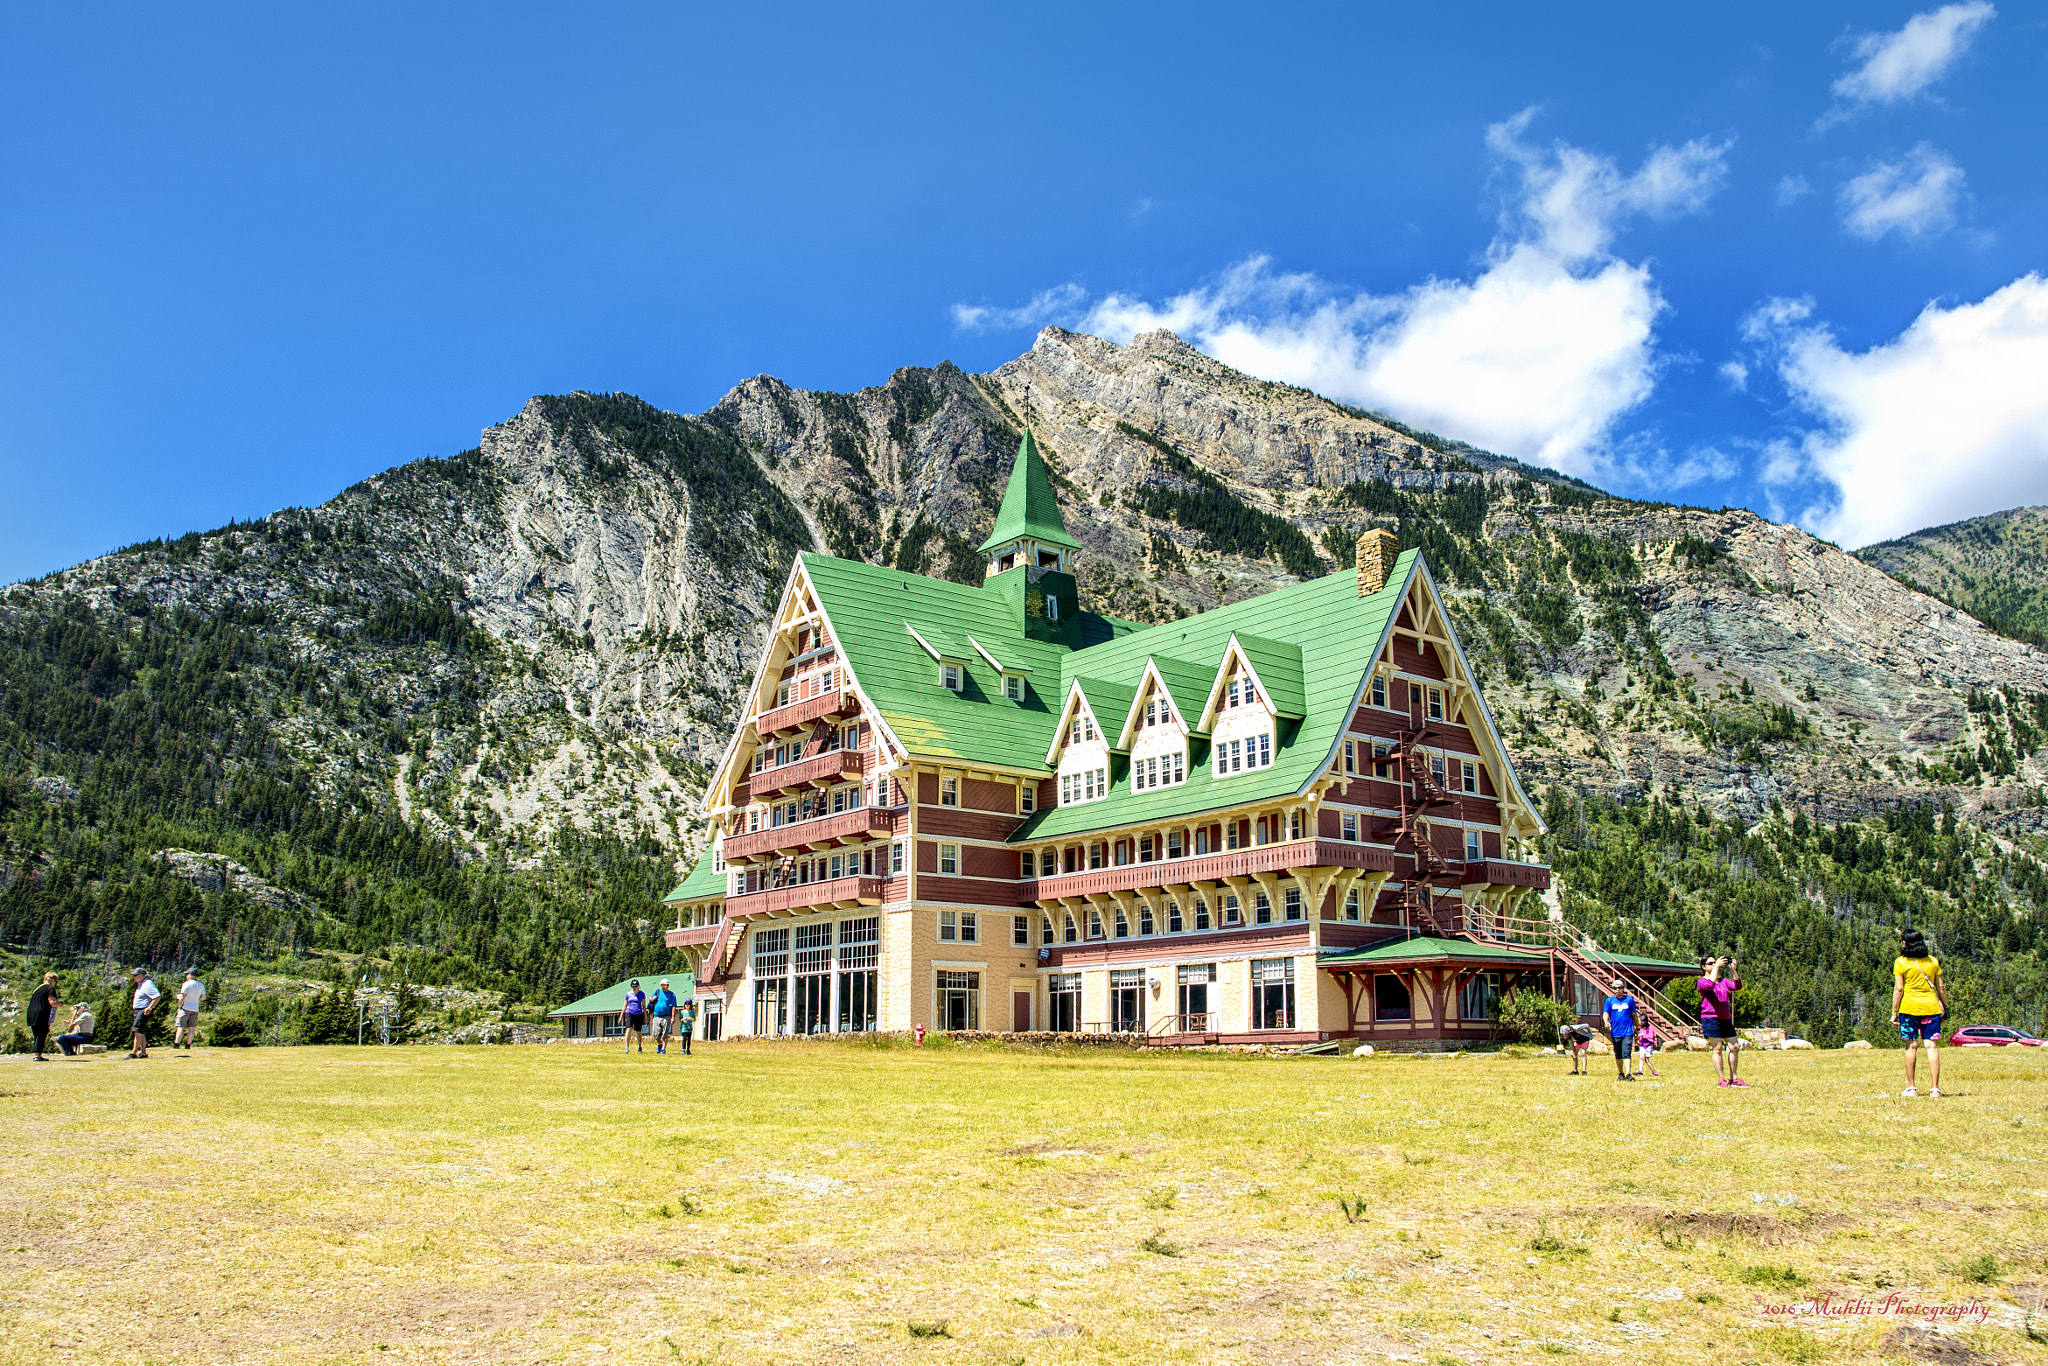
[[949, 792], [1123, 925], [1201, 914], [896, 857], [949, 858], [760, 760], [1291, 903], [1145, 925], [1236, 756], [782, 695], [1013, 687], [717, 858], [1027, 797], [1233, 913], [1350, 820], [1174, 923], [1353, 909], [949, 927], [1436, 769], [1475, 846], [1436, 704], [1296, 824], [1094, 923], [1262, 909], [1471, 776], [1020, 931], [1351, 756], [1052, 608], [1379, 690], [1272, 993], [949, 674], [1174, 844]]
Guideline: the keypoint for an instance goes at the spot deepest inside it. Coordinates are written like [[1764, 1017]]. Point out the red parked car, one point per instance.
[[1998, 1035]]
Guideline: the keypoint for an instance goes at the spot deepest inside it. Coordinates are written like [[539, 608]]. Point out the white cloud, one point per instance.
[[1897, 66], [1536, 356], [1045, 306], [1736, 373], [1947, 420], [1915, 196], [1792, 189]]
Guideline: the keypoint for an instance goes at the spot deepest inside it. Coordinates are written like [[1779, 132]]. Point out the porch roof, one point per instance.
[[612, 999], [1433, 949]]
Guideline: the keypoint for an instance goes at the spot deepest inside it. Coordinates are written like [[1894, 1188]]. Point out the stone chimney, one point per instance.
[[1377, 550]]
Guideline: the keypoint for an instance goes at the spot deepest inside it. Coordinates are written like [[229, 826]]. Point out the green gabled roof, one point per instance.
[[950, 647], [699, 884], [1187, 684], [1110, 701], [1338, 634], [612, 999], [869, 607], [1424, 948], [1278, 663], [1029, 507]]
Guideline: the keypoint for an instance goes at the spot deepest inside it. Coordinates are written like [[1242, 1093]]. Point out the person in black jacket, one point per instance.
[[42, 1003]]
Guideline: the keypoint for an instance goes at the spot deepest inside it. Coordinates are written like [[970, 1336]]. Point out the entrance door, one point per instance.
[[1127, 1001], [1020, 1011]]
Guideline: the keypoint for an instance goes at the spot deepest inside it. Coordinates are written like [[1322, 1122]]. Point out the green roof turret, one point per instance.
[[1029, 508]]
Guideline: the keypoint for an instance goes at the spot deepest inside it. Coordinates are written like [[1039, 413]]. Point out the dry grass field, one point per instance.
[[841, 1203]]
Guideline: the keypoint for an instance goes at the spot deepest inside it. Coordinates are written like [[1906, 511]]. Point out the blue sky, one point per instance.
[[1780, 256]]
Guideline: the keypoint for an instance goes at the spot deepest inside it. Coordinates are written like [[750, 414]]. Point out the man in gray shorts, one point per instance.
[[189, 996]]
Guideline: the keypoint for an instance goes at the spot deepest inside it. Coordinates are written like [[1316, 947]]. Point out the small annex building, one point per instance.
[[1284, 820], [602, 1014]]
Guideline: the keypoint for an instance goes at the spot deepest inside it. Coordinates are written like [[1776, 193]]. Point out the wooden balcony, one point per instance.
[[1494, 872], [1269, 858], [822, 832], [691, 936], [838, 891], [797, 715], [816, 771]]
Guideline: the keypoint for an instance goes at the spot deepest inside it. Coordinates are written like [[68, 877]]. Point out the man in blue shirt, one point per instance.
[[664, 1016], [1620, 1010]]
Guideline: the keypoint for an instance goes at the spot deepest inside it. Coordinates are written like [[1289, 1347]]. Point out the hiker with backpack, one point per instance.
[[1919, 1000]]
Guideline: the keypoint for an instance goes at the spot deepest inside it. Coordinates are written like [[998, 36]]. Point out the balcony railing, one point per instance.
[[1200, 1022], [1268, 858], [690, 936], [796, 715], [813, 772], [1507, 873], [866, 822], [838, 891]]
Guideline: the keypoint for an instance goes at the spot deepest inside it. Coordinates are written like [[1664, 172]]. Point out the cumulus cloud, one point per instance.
[[1896, 66], [1947, 420], [1915, 196], [1792, 189], [1536, 356]]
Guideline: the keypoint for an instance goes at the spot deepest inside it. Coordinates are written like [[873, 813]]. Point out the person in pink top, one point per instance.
[[1646, 1045], [1717, 986]]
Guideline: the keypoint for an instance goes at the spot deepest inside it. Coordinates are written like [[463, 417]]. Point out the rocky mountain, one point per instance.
[[1995, 568], [549, 630], [467, 704]]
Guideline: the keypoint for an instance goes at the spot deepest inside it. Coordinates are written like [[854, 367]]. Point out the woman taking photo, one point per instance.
[[1919, 1000]]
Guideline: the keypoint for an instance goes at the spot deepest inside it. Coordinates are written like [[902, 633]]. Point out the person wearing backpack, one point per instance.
[[1919, 1000], [664, 1016]]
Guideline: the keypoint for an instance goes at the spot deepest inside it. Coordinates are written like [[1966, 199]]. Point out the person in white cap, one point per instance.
[[189, 997], [664, 1009]]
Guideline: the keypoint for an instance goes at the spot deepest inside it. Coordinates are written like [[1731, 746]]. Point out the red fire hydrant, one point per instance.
[[917, 1032]]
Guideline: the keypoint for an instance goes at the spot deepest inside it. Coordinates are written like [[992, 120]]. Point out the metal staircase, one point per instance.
[[1420, 795]]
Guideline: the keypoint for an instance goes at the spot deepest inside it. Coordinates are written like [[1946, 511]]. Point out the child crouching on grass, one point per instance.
[[1573, 1039]]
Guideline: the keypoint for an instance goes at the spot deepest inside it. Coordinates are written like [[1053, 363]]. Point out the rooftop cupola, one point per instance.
[[1029, 531]]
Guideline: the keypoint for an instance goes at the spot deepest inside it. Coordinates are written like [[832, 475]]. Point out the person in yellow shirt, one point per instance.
[[1919, 1000]]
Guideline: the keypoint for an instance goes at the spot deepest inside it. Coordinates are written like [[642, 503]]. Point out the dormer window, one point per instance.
[[1013, 687], [949, 674], [1160, 770], [1235, 756], [1052, 608]]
